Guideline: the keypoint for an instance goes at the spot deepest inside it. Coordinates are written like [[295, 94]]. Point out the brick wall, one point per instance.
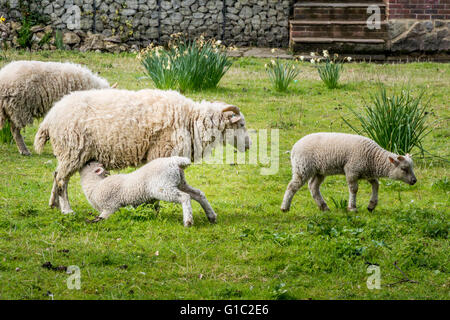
[[419, 9]]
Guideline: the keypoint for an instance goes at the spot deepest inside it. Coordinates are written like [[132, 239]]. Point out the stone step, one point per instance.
[[336, 29], [310, 3], [335, 12], [339, 45]]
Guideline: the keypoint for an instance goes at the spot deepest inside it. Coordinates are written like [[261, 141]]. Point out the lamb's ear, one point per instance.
[[401, 158], [99, 171], [393, 161]]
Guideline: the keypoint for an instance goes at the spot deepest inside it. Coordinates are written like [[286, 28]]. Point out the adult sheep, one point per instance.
[[121, 128], [28, 90]]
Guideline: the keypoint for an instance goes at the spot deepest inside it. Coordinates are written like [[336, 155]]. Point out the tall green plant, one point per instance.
[[330, 70], [186, 65], [397, 122], [59, 43], [5, 133], [281, 74]]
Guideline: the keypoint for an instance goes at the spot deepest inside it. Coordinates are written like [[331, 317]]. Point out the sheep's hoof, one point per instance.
[[212, 219], [25, 153], [324, 208], [284, 209], [370, 209], [188, 223], [67, 211], [352, 209]]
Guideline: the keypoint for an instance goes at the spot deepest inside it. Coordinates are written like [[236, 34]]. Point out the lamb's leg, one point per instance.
[[374, 199], [314, 188], [353, 189], [19, 140], [296, 183], [105, 214], [200, 197]]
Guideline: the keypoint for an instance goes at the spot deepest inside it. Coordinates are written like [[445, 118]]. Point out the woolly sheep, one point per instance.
[[28, 90], [318, 155], [121, 128], [160, 179]]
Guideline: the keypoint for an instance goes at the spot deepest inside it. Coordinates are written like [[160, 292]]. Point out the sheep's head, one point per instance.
[[237, 134], [402, 169], [95, 169]]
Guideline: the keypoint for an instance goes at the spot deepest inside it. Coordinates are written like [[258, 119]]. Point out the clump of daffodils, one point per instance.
[[281, 74], [331, 68], [186, 64]]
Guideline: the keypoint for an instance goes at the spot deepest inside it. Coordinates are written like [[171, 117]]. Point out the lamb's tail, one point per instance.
[[182, 162], [41, 137]]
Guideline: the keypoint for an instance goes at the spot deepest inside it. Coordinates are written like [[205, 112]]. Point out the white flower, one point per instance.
[[273, 50], [302, 58], [272, 61], [313, 61], [349, 59], [325, 53], [312, 54]]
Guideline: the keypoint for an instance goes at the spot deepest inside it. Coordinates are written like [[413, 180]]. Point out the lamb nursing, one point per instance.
[[318, 155], [121, 128]]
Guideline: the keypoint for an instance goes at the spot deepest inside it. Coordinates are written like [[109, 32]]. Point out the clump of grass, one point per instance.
[[186, 65], [281, 74], [340, 204], [24, 34], [330, 70], [5, 133], [397, 122]]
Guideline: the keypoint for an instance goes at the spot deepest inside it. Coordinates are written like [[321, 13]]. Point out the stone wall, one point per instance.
[[126, 23], [419, 25]]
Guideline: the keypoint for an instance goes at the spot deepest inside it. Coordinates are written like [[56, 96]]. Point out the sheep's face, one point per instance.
[[94, 168], [237, 134], [403, 169]]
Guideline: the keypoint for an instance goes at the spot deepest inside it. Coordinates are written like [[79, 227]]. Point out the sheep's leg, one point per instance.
[[54, 197], [200, 197], [353, 190], [296, 183], [19, 140], [63, 175], [314, 188], [374, 199], [64, 197]]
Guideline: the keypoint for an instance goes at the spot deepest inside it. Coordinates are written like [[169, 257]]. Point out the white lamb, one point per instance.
[[160, 179], [28, 90], [318, 155]]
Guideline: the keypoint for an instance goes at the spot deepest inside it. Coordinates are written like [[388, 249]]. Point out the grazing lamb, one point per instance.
[[160, 179], [318, 155], [121, 128], [28, 90]]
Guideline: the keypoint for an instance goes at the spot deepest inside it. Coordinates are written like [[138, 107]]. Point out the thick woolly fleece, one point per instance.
[[121, 128], [318, 155], [160, 179], [28, 89]]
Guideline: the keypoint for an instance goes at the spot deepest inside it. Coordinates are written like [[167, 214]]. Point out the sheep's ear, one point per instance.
[[99, 171], [401, 158], [235, 119], [393, 161]]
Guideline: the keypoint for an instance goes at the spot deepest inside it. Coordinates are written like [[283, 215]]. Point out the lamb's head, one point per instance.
[[237, 134], [93, 169], [402, 169]]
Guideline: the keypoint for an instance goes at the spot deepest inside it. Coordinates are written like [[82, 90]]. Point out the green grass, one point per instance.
[[254, 251]]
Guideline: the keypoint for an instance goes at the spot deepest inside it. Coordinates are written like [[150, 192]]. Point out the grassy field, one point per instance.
[[254, 251]]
